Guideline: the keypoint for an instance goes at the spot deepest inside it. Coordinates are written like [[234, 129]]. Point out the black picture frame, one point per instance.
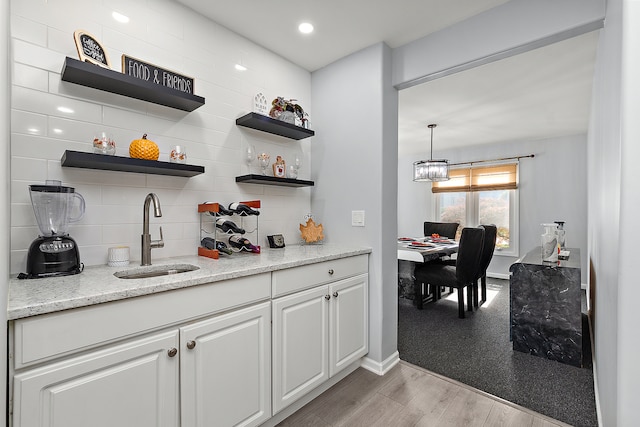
[[276, 241]]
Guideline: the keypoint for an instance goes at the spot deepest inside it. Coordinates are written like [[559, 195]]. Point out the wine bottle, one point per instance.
[[222, 247], [242, 209], [225, 225], [222, 211], [243, 243]]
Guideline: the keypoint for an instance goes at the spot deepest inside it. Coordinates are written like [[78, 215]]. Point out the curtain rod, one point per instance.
[[492, 160]]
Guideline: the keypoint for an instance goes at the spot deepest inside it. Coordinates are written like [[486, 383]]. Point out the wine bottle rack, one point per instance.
[[208, 228], [204, 209]]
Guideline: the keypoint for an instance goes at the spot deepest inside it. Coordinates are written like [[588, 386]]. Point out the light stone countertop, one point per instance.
[[97, 284]]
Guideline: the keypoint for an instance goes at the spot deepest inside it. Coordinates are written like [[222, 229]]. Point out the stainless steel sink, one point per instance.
[[155, 271]]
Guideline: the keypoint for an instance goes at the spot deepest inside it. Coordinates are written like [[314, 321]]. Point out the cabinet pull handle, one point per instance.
[[172, 352], [335, 294], [191, 345], [327, 297], [330, 271]]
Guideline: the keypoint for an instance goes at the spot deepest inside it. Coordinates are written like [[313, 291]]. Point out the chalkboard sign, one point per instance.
[[151, 73], [90, 50]]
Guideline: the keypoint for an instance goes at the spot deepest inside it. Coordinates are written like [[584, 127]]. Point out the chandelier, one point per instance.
[[431, 170]]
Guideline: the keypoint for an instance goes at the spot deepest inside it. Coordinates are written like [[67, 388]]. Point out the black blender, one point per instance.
[[54, 253]]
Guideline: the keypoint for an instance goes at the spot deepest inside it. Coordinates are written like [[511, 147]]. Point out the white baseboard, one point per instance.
[[380, 368], [595, 375]]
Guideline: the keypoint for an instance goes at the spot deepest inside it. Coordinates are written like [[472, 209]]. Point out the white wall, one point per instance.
[[614, 184], [511, 28], [352, 172], [553, 187], [171, 36], [5, 78]]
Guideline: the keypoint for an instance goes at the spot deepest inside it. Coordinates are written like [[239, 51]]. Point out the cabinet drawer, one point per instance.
[[48, 336], [307, 276]]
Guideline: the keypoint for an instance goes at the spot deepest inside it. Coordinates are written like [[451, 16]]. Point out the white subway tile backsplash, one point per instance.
[[22, 214], [86, 235], [28, 123], [54, 105], [164, 33], [30, 77], [62, 42], [36, 56], [30, 145], [28, 169], [29, 31]]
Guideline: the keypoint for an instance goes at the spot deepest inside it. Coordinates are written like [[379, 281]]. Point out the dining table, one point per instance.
[[413, 250], [425, 249]]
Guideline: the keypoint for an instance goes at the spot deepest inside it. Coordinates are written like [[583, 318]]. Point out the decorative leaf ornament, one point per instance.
[[311, 232]]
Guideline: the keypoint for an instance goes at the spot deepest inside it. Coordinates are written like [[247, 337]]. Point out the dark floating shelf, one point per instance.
[[91, 75], [272, 180], [276, 127], [77, 159]]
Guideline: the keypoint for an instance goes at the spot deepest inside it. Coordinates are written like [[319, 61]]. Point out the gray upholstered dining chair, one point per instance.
[[445, 229], [464, 274]]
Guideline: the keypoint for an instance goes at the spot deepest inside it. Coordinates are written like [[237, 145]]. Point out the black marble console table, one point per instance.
[[546, 317]]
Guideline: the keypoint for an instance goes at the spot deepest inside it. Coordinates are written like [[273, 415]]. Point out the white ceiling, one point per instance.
[[540, 94]]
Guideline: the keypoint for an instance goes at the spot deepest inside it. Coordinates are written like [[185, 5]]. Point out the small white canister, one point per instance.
[[118, 256]]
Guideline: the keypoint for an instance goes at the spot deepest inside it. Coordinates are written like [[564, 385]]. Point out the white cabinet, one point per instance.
[[317, 332], [348, 322], [130, 384], [223, 364], [300, 345], [184, 361], [226, 369], [228, 353]]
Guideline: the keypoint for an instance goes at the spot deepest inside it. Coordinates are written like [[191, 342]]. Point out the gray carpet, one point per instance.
[[476, 351]]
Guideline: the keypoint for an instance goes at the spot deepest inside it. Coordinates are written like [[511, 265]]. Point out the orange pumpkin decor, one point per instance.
[[144, 149]]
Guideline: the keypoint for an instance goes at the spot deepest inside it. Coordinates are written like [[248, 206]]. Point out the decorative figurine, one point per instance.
[[279, 167], [288, 111], [311, 232], [260, 104]]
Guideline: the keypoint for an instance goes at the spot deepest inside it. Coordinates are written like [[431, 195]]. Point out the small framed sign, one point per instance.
[[90, 50], [276, 241], [144, 71]]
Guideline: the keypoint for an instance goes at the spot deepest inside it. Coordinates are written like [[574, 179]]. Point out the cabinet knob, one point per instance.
[[327, 297], [172, 352], [191, 345], [335, 294], [330, 271]]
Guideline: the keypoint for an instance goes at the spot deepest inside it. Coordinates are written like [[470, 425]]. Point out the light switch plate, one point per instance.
[[357, 218]]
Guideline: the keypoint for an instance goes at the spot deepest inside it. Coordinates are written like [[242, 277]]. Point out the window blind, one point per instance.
[[481, 178]]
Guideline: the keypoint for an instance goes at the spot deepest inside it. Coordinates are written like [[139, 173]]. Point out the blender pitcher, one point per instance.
[[53, 205]]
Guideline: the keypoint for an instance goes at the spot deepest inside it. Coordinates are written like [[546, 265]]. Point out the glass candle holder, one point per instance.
[[104, 144], [178, 154]]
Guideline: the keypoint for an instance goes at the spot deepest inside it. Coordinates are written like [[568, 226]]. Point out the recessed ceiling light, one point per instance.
[[33, 130], [65, 110], [120, 17], [241, 67], [305, 28], [56, 130]]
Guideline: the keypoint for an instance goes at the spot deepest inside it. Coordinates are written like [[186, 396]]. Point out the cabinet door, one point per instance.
[[300, 345], [226, 369], [348, 322], [131, 384]]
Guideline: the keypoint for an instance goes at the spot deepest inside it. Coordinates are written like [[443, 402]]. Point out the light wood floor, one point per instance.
[[411, 396]]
